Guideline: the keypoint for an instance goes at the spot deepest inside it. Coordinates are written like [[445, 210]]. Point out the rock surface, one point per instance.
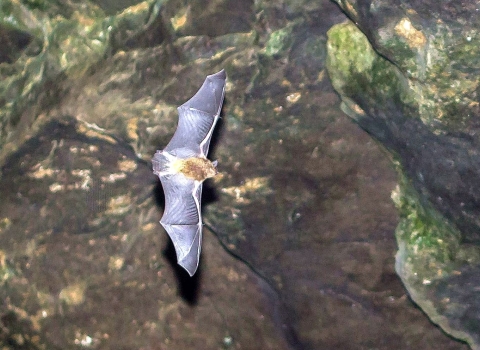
[[408, 75], [303, 252]]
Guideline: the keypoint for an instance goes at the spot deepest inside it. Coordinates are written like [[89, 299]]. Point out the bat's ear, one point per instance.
[[215, 163]]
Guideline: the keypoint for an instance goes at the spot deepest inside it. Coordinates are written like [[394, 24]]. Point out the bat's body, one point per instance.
[[183, 166]]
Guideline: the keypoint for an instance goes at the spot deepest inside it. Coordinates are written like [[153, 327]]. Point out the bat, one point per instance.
[[183, 166]]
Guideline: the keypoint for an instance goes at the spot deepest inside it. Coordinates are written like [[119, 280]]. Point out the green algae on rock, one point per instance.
[[430, 258], [357, 70], [411, 83], [66, 41]]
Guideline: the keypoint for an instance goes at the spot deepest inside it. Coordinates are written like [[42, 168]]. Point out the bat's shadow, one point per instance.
[[188, 287]]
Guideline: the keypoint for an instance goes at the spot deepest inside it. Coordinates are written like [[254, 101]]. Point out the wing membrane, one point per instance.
[[182, 205], [182, 215], [187, 240], [198, 116], [209, 97], [182, 218], [193, 127]]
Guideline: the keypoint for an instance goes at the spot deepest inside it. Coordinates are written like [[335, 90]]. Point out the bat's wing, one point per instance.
[[197, 118], [182, 218]]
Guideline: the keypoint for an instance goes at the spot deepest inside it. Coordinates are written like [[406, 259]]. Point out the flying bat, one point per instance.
[[183, 166]]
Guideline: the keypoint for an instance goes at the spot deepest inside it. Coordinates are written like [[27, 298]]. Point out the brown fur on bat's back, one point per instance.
[[196, 168]]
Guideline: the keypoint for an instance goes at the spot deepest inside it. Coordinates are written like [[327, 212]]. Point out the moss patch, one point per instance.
[[356, 69]]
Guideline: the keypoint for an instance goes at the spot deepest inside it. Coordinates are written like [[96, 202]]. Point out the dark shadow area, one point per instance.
[[158, 194], [188, 287], [209, 193], [13, 42]]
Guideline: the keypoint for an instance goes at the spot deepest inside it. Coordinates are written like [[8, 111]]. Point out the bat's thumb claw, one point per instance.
[[215, 163]]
